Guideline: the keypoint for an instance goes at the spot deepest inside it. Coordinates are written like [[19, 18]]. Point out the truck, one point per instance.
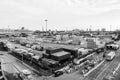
[[110, 56], [112, 46], [26, 75]]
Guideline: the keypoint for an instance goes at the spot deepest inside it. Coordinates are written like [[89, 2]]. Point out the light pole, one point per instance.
[[110, 27], [46, 24]]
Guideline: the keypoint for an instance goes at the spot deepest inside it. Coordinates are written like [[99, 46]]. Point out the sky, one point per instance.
[[61, 14]]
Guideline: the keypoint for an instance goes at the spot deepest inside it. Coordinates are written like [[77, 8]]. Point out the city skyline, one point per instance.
[[61, 14]]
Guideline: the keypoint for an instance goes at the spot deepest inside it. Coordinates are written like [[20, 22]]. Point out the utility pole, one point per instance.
[[91, 27], [42, 28], [110, 27], [46, 24], [8, 28]]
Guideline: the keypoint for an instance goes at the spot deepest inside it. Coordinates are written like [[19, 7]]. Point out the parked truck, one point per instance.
[[112, 46], [110, 56]]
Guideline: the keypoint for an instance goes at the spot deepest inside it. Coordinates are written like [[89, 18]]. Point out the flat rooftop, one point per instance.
[[61, 53]]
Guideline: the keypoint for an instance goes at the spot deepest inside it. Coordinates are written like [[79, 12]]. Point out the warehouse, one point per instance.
[[50, 50], [59, 56]]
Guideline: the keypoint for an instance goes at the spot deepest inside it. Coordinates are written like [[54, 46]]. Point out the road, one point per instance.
[[9, 68], [12, 65], [105, 68], [109, 68]]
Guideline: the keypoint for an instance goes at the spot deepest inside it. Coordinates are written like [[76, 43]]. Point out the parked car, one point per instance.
[[58, 73]]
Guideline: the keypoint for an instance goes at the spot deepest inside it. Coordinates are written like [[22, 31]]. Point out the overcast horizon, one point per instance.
[[61, 14]]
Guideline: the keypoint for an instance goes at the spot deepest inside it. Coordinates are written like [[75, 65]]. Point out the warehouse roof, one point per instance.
[[61, 53], [50, 61]]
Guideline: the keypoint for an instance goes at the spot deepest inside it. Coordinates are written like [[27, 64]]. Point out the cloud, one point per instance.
[[92, 7], [46, 7], [61, 12]]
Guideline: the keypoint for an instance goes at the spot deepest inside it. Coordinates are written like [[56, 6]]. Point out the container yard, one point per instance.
[[59, 39]]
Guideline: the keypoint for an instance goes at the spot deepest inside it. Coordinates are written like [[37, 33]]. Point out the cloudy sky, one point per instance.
[[61, 14]]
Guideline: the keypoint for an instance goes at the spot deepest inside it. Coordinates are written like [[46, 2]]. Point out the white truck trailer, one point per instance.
[[110, 56]]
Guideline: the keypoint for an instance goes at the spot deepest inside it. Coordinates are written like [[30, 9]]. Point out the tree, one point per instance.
[[103, 29], [22, 28], [36, 32], [23, 35]]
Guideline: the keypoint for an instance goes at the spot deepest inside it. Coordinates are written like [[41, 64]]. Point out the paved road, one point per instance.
[[11, 65], [9, 69], [109, 68], [105, 68]]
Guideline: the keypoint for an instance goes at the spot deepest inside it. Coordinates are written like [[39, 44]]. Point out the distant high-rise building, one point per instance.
[[89, 29], [42, 28], [46, 23], [91, 44], [98, 30]]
